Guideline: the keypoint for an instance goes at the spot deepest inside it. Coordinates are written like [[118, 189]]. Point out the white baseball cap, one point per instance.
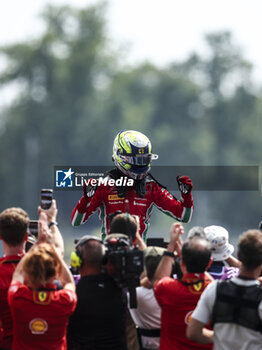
[[218, 237]]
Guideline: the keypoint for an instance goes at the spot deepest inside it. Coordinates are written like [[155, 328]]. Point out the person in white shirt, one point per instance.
[[234, 306], [147, 315]]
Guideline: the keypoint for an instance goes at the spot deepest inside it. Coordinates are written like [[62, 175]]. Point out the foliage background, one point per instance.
[[75, 92]]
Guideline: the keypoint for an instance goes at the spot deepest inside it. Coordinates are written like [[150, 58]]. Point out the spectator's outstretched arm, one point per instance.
[[197, 332], [43, 236], [55, 238], [66, 277], [232, 261], [165, 266], [139, 242], [48, 216]]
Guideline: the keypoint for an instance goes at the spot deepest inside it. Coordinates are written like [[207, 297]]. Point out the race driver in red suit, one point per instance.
[[132, 156]]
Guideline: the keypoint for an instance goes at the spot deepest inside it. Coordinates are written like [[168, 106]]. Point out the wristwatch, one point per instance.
[[52, 223], [170, 254]]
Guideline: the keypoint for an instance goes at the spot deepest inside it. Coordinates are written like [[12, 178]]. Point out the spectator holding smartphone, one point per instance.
[[40, 312], [48, 218], [14, 236]]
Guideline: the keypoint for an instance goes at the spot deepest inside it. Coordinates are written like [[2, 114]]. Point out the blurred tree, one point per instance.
[[54, 118], [224, 76], [230, 125], [159, 102]]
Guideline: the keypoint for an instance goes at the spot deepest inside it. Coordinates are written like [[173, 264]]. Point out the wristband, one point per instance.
[[170, 254], [52, 223]]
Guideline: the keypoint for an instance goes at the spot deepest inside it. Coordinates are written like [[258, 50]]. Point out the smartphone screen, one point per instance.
[[46, 198], [33, 227]]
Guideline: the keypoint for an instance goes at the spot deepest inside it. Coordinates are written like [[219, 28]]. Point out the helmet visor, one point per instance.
[[138, 159]]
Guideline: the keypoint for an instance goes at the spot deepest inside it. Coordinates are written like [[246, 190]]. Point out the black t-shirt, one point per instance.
[[98, 322]]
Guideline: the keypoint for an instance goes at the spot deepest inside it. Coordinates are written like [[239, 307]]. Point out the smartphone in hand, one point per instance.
[[33, 227], [46, 198]]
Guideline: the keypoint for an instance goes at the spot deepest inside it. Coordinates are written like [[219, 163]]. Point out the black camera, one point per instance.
[[126, 261]]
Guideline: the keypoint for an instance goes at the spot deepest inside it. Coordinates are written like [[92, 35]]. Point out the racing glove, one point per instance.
[[185, 184], [89, 190]]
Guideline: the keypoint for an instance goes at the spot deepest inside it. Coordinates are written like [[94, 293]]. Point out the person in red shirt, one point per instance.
[[13, 233], [178, 298], [40, 312], [132, 155]]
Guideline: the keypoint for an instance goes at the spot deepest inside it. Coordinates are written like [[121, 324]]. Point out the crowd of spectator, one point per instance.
[[192, 294]]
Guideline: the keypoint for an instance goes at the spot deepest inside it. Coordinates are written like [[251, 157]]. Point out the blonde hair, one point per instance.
[[40, 264]]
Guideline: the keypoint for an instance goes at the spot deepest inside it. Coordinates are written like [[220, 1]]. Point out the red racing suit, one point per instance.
[[107, 201]]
